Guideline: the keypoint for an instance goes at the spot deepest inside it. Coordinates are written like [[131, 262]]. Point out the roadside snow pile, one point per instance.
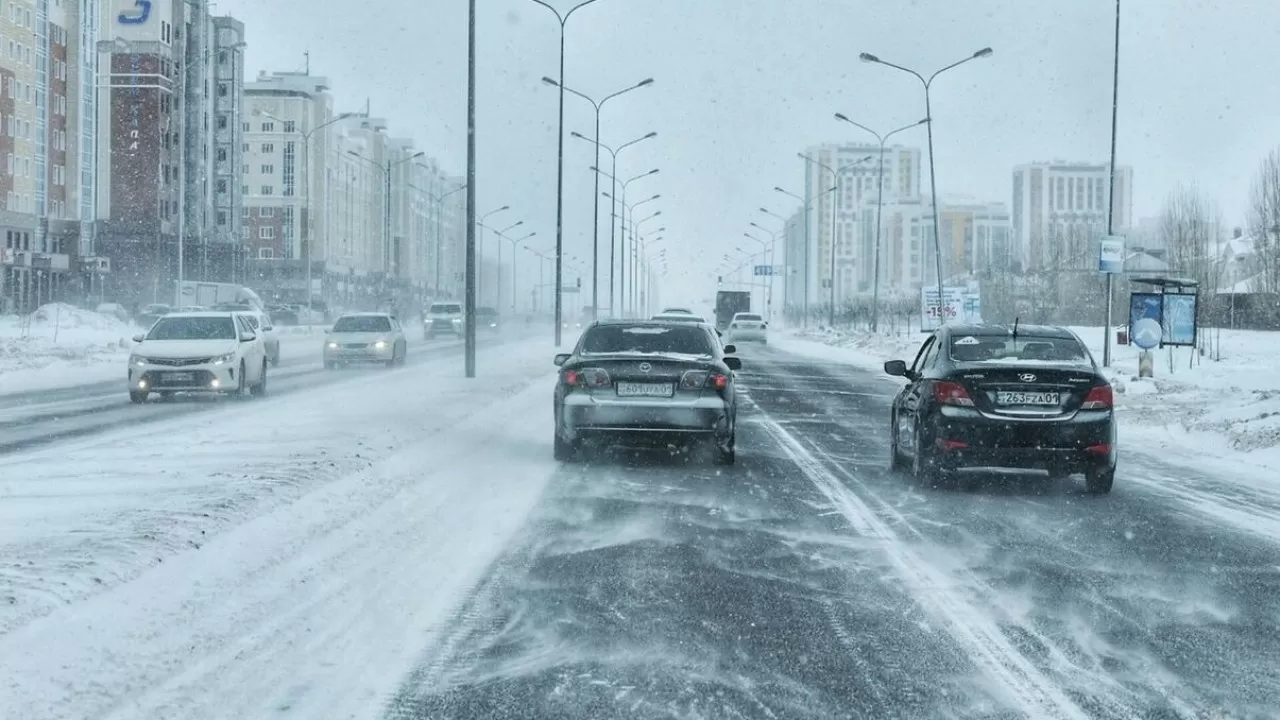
[[56, 340], [1235, 400]]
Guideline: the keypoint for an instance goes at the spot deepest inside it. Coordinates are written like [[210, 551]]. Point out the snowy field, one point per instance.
[[1207, 409], [174, 561]]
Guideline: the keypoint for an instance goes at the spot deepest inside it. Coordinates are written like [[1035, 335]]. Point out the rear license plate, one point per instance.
[[177, 377], [1004, 397], [634, 389]]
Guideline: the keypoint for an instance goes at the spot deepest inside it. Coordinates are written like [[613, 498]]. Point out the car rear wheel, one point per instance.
[[724, 453], [564, 450], [260, 389], [924, 465], [1098, 482], [895, 455]]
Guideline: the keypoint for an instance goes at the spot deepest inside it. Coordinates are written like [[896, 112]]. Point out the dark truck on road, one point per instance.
[[730, 303]]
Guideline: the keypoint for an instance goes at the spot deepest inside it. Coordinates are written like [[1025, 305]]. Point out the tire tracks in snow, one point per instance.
[[1014, 675]]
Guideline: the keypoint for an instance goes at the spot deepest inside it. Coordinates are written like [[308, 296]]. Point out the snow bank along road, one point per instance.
[[402, 547], [43, 416]]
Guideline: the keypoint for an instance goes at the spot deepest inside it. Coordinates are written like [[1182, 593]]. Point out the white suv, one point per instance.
[[216, 352], [442, 317]]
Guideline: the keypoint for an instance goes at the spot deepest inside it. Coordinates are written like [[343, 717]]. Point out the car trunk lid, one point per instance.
[[1024, 390]]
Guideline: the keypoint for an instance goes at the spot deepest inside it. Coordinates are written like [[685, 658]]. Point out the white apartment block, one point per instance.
[[853, 169], [1060, 204]]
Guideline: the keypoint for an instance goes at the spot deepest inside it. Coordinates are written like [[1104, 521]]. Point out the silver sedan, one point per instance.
[[365, 338]]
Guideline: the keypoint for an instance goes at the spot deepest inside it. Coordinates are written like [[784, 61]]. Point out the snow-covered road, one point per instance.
[[399, 544]]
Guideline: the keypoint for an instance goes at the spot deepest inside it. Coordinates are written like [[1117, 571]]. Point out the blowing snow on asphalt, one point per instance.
[[436, 563]]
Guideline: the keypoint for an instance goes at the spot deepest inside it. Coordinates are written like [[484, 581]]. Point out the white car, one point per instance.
[[365, 337], [442, 317], [748, 327], [214, 352], [262, 325]]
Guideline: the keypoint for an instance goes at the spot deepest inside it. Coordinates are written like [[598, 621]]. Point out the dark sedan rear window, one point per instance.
[[1025, 348], [647, 339]]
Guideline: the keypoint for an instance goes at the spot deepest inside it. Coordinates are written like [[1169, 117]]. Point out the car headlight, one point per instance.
[[332, 346], [493, 324], [224, 359], [381, 344], [138, 360]]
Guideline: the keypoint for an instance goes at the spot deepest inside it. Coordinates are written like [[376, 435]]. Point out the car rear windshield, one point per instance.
[[646, 339], [1024, 348], [362, 323], [193, 328], [445, 308], [750, 318]]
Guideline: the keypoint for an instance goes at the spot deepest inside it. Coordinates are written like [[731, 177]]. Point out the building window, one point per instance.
[[268, 169], [268, 147], [222, 122], [290, 126], [266, 253], [244, 169], [222, 218], [222, 187], [268, 127], [222, 57], [244, 127], [222, 89], [222, 154], [267, 190], [244, 211], [244, 232], [244, 189], [244, 147], [266, 212], [267, 233]]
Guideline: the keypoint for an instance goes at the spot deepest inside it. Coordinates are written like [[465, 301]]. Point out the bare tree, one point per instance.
[[1191, 226], [1264, 222]]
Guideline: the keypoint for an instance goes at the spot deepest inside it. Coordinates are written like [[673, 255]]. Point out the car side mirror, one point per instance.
[[897, 368], [733, 363], [139, 337], [561, 358], [249, 337], [730, 349]]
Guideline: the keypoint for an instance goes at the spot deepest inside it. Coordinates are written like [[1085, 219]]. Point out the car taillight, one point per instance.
[[718, 381], [951, 393], [594, 378], [571, 377], [693, 379], [1099, 398]]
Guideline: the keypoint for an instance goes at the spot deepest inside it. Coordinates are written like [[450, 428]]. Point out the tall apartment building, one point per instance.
[[161, 65], [290, 142], [856, 169], [47, 135], [1059, 211], [975, 238]]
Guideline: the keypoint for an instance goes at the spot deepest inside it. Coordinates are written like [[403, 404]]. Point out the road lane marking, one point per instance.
[[970, 627]]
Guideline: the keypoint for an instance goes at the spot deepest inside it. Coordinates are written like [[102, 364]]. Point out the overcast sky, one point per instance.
[[741, 85]]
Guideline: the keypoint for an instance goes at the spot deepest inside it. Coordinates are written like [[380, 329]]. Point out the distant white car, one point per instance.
[[682, 317], [748, 327], [211, 352], [442, 318], [261, 324], [365, 337]]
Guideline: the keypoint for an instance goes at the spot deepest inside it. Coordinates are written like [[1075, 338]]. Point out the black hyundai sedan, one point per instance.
[[647, 382], [1003, 396]]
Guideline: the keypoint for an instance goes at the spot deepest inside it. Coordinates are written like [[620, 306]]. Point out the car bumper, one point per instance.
[[968, 439], [439, 327], [196, 378], [357, 355], [583, 415], [748, 336]]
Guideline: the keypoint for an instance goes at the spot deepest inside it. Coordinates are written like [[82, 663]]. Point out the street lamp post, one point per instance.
[[439, 200], [515, 245], [306, 189], [635, 239], [502, 234], [805, 202], [933, 184], [764, 246], [386, 202], [831, 249], [563, 20], [480, 243], [595, 195], [882, 139], [613, 203]]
